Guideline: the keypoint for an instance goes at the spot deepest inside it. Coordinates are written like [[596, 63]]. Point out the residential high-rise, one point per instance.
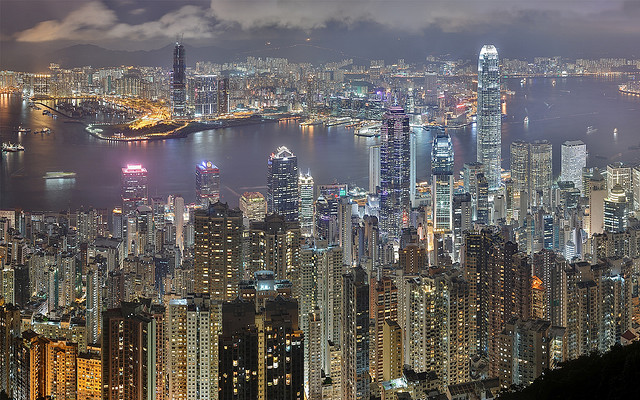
[[439, 325], [223, 96], [520, 169], [489, 116], [470, 173], [128, 353], [90, 375], [179, 83], [540, 172], [253, 206], [573, 157], [395, 174], [355, 335], [346, 229], [442, 183], [374, 168], [282, 184], [134, 188], [313, 361], [261, 351], [204, 95], [207, 183], [9, 330], [307, 195], [597, 193], [383, 308], [274, 245], [218, 251], [192, 357], [527, 349], [178, 220]]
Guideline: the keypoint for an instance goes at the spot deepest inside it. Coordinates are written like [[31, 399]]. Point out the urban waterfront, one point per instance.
[[559, 109]]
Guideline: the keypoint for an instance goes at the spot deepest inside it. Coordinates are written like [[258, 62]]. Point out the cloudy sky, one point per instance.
[[362, 27]]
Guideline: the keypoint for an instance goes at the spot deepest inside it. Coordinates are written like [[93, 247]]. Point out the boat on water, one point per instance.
[[338, 121], [526, 120], [44, 130], [12, 147], [59, 175], [372, 130], [591, 129], [22, 129], [312, 122], [615, 131]]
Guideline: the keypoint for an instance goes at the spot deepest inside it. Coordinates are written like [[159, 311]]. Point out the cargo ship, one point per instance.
[[59, 175]]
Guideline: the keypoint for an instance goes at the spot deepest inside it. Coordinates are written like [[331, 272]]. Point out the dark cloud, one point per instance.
[[577, 25]]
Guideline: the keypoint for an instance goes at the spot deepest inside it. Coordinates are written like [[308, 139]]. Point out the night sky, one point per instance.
[[371, 29]]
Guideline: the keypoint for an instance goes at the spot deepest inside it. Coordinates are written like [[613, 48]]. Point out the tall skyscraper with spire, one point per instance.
[[395, 169], [489, 115], [179, 82]]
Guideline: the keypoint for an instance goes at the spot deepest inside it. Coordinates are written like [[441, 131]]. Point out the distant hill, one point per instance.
[[614, 375], [35, 57]]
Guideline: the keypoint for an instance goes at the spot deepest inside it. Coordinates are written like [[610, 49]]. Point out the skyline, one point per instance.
[[325, 29], [468, 269]]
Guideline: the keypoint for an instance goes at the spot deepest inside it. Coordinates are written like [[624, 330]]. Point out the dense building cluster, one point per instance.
[[460, 288]]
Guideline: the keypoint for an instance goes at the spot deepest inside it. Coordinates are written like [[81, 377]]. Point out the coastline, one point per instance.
[[178, 133]]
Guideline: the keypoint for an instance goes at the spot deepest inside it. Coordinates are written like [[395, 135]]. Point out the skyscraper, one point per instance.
[[207, 183], [218, 251], [223, 96], [374, 168], [355, 335], [253, 206], [179, 83], [395, 170], [282, 184], [489, 115], [540, 172], [615, 210], [261, 351], [128, 353], [178, 220], [520, 168], [442, 182], [573, 156], [192, 353], [204, 94], [306, 189], [134, 188]]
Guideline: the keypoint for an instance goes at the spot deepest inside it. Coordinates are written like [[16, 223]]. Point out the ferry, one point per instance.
[[338, 121], [22, 129], [372, 130], [591, 129], [59, 175], [12, 147]]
